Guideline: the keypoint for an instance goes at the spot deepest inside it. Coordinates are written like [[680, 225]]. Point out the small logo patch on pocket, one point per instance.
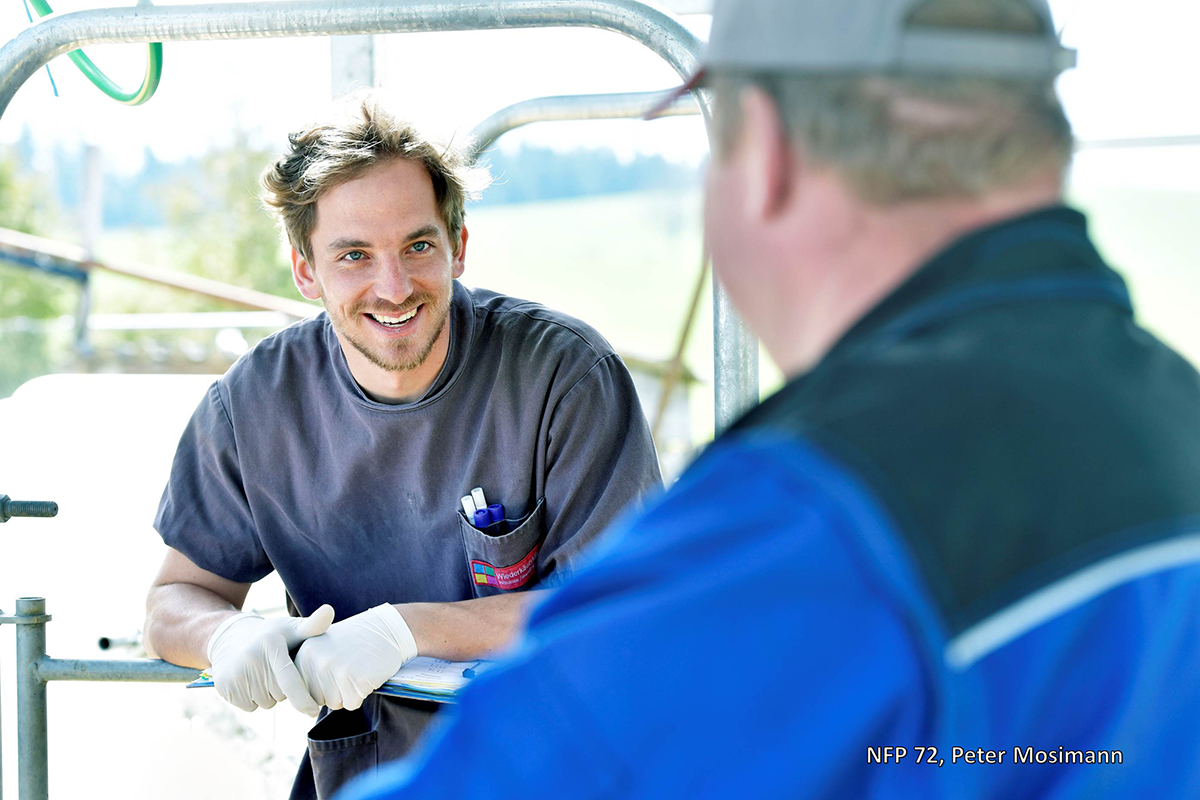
[[513, 577]]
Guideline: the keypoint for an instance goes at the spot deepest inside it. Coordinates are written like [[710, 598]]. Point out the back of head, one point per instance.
[[905, 99], [360, 133]]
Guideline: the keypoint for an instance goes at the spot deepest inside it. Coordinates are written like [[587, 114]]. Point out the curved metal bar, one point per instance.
[[563, 108], [37, 45]]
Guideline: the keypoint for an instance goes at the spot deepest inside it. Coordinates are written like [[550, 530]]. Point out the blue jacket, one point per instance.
[[971, 532]]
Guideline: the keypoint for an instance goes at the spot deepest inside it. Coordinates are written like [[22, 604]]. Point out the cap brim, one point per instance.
[[693, 83]]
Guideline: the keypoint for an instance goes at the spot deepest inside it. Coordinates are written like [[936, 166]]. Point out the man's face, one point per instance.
[[383, 264]]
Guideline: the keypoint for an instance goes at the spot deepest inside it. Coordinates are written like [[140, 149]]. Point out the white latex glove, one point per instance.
[[251, 661], [355, 657]]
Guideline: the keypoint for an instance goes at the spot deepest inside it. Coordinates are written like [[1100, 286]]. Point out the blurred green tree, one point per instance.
[[25, 206], [220, 230]]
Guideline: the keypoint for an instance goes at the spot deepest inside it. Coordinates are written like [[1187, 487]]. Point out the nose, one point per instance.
[[393, 282]]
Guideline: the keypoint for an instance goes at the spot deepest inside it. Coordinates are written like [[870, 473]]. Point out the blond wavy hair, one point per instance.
[[360, 134]]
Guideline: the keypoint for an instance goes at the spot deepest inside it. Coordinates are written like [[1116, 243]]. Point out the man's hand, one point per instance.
[[251, 662], [355, 657]]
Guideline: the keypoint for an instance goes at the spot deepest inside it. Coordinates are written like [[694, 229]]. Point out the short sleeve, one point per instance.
[[601, 459], [204, 513]]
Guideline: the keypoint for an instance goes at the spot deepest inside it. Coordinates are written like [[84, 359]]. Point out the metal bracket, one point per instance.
[[17, 619]]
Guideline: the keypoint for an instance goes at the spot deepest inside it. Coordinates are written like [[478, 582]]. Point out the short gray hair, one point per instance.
[[897, 138], [361, 134]]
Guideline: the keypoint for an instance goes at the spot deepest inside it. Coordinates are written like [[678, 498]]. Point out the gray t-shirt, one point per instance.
[[288, 465]]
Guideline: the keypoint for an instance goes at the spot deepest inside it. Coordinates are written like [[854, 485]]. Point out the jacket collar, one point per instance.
[[1046, 253], [1049, 242]]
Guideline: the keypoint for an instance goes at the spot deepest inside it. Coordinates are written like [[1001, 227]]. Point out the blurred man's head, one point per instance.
[[841, 127]]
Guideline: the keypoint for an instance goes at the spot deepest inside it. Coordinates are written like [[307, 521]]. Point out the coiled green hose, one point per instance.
[[102, 81]]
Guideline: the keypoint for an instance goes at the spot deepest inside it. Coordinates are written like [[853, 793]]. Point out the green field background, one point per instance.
[[628, 263]]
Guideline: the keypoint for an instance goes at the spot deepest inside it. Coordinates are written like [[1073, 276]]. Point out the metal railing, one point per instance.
[[71, 261], [566, 108], [33, 48], [35, 669]]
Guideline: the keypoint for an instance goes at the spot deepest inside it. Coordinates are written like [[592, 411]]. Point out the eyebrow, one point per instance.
[[338, 244], [419, 233]]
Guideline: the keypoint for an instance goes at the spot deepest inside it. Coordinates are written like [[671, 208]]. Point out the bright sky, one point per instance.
[[445, 80], [1135, 77]]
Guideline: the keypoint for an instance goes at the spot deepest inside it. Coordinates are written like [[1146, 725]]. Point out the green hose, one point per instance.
[[101, 81]]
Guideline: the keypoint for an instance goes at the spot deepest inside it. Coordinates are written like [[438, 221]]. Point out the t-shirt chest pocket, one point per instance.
[[507, 562]]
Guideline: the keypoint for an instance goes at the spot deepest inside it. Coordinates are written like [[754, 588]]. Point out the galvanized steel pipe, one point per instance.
[[735, 362], [564, 108], [38, 44], [141, 670], [32, 753]]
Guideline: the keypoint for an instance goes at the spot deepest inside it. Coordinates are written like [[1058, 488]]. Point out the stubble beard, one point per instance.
[[411, 357]]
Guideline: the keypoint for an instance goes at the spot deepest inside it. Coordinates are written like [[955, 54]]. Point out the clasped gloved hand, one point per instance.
[[355, 657], [251, 662]]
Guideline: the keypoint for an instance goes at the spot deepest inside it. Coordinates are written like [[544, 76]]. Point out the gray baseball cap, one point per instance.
[[869, 36]]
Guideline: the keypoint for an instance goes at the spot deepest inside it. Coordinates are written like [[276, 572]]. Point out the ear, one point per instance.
[[305, 277], [766, 156], [460, 258]]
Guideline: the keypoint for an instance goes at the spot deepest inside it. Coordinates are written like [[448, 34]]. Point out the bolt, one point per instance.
[[25, 508]]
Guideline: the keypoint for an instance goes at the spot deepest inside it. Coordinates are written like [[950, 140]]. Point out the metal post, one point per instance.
[[91, 221], [83, 311], [32, 756], [35, 669], [8, 510], [735, 362], [352, 64], [91, 225]]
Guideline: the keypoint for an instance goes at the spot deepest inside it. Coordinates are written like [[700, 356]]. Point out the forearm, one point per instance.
[[468, 629], [180, 618]]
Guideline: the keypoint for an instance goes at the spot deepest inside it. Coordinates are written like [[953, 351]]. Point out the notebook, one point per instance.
[[423, 678]]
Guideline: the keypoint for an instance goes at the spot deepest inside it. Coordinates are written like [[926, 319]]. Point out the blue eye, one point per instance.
[[355, 255], [421, 247]]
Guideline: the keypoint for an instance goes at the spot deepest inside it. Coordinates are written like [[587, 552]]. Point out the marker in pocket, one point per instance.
[[468, 505], [496, 517], [482, 518], [485, 517], [480, 500]]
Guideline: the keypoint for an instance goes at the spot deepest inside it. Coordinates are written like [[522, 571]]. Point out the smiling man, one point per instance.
[[336, 453]]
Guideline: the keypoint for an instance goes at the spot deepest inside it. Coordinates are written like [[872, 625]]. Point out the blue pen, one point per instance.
[[498, 526], [482, 518], [469, 672]]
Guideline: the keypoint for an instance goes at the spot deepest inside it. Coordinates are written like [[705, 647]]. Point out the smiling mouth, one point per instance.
[[394, 323]]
